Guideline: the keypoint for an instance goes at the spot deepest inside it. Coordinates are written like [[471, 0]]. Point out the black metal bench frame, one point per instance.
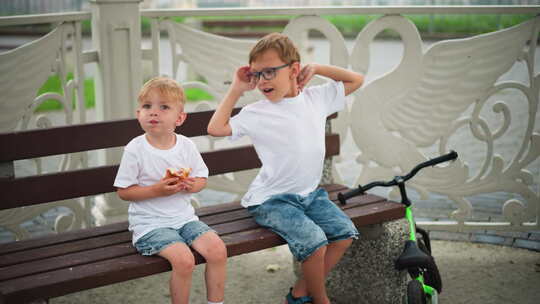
[[55, 265]]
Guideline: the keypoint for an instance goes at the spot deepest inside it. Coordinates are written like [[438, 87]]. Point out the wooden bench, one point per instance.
[[51, 266]]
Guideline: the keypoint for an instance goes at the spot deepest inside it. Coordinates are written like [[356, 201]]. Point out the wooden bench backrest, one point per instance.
[[31, 190]]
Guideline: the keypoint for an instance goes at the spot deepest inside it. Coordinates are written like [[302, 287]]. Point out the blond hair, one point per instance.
[[166, 86], [280, 43]]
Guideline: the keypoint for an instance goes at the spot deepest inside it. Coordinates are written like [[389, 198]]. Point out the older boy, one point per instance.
[[161, 217], [287, 129]]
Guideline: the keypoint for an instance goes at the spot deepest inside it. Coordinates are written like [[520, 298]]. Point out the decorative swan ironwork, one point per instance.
[[416, 106], [420, 103]]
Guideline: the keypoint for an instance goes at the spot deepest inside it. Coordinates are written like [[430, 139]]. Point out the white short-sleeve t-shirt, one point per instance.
[[289, 137], [144, 165]]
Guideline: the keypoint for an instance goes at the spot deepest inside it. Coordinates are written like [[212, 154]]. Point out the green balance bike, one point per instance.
[[416, 258]]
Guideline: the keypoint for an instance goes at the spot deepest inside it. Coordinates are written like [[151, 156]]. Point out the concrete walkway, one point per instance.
[[471, 273]]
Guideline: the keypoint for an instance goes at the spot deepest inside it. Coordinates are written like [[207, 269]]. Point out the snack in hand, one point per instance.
[[182, 173]]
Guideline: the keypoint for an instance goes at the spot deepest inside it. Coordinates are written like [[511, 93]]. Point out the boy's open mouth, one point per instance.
[[267, 90]]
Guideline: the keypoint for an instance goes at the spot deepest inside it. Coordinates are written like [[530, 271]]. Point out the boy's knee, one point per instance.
[[318, 253], [182, 263], [216, 253]]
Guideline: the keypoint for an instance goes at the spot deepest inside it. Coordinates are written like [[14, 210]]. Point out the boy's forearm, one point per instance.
[[351, 80], [137, 193], [219, 123]]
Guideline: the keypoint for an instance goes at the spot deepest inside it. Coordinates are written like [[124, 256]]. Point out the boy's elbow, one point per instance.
[[359, 81], [212, 130], [121, 194], [217, 131], [355, 84]]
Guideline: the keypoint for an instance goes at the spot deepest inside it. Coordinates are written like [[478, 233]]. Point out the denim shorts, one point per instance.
[[156, 240], [305, 222]]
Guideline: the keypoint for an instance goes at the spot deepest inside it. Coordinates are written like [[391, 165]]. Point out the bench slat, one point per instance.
[[86, 137], [65, 261], [41, 253], [376, 213], [89, 136], [81, 234], [211, 215], [32, 190], [219, 208], [65, 248], [48, 240]]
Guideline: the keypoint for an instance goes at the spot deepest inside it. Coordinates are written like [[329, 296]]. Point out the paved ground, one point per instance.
[[471, 272]]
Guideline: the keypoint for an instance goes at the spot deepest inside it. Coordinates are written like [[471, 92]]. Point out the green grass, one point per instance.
[[445, 24], [466, 24], [351, 25], [53, 84], [195, 94]]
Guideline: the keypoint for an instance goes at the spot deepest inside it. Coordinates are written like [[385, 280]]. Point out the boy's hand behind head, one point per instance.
[[305, 75], [243, 81]]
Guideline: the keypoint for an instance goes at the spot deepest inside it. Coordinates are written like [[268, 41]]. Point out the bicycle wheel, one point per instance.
[[424, 236], [432, 276], [415, 293]]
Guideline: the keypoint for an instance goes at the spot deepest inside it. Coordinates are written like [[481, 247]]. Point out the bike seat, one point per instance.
[[412, 256]]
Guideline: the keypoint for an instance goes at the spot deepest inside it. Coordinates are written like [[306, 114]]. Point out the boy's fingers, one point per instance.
[[243, 74], [170, 180]]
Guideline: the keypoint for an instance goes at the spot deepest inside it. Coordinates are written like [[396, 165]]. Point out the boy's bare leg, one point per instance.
[[183, 263], [313, 274], [212, 248], [334, 252]]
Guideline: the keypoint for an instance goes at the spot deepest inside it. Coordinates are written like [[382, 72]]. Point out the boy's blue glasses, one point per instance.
[[267, 73]]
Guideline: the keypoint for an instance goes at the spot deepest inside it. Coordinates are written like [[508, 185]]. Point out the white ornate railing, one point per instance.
[[459, 94], [23, 71]]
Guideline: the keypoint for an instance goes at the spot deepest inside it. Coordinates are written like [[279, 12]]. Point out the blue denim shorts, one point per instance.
[[305, 222], [156, 240]]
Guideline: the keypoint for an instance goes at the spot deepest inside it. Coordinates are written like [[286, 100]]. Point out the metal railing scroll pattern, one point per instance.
[[24, 71]]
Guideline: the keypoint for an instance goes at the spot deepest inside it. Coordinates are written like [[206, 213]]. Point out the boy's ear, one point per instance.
[[181, 118], [295, 70]]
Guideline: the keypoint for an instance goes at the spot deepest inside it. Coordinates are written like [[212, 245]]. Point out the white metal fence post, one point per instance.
[[116, 35]]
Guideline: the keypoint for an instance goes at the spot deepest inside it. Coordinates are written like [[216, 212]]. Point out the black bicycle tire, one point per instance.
[[422, 246], [420, 233], [415, 293], [432, 276]]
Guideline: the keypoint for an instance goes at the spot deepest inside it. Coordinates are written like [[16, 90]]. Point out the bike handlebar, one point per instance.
[[343, 197]]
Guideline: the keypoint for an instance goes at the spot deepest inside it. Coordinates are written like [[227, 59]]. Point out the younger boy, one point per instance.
[[161, 217], [287, 129]]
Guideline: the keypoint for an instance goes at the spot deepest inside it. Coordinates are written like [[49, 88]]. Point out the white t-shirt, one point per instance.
[[144, 165], [289, 137]]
